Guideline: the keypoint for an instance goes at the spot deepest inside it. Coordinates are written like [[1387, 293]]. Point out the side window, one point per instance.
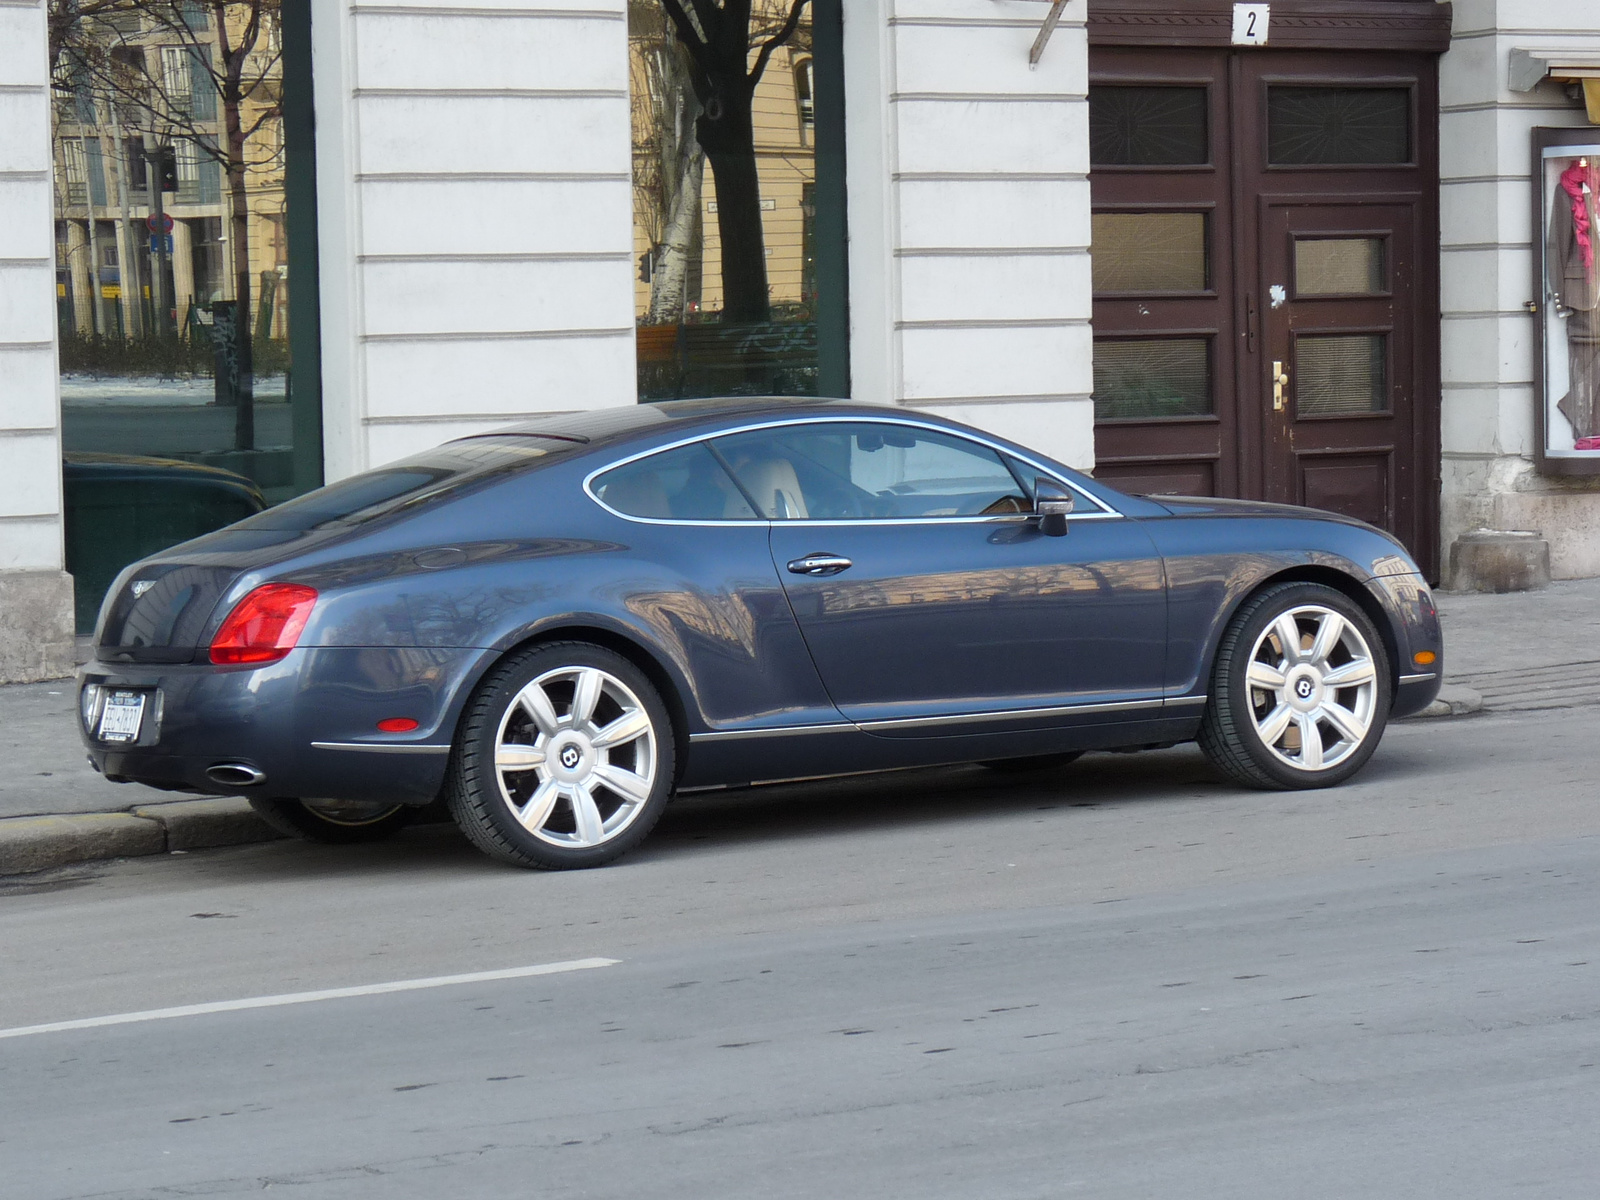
[[686, 484], [866, 471]]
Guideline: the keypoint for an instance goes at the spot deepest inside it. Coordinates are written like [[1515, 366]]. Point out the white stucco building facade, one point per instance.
[[476, 258]]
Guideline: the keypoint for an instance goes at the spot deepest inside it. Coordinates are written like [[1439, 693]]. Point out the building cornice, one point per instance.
[[1414, 25]]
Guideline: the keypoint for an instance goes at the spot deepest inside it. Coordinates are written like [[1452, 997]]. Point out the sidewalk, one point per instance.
[[1526, 650]]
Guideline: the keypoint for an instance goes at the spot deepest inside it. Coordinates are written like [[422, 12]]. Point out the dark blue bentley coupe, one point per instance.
[[556, 626]]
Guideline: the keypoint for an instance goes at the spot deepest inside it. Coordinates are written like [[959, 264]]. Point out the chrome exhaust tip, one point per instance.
[[235, 775]]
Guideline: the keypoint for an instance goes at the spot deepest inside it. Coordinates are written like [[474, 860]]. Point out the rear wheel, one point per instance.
[[1300, 693], [336, 822], [565, 758]]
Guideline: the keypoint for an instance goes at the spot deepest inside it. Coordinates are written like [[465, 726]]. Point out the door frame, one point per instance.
[[1384, 30]]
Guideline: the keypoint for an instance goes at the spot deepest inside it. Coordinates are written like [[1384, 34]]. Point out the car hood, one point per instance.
[[1203, 506]]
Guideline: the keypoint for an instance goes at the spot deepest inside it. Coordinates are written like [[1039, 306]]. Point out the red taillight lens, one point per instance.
[[265, 625]]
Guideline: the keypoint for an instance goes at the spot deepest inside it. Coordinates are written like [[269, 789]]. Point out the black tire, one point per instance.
[[1239, 717], [333, 822], [566, 785], [1033, 762]]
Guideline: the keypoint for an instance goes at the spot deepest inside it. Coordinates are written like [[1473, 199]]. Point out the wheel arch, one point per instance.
[[1347, 585], [663, 679]]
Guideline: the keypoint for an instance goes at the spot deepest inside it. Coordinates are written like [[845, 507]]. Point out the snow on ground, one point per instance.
[[81, 391]]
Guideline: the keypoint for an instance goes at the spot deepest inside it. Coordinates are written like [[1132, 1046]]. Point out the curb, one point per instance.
[[29, 844], [204, 824], [1454, 700]]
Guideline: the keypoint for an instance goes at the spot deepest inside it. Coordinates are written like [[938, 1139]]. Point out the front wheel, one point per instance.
[[1300, 693], [335, 822], [565, 758]]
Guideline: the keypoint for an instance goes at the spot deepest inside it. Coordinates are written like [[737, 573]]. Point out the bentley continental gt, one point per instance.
[[555, 627]]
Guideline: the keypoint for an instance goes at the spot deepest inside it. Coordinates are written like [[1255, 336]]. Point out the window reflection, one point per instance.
[[171, 267], [726, 197]]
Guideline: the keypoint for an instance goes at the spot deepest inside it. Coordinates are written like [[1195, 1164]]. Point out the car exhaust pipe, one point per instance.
[[236, 775]]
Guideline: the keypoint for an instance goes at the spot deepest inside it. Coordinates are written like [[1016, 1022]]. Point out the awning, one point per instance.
[[1531, 67]]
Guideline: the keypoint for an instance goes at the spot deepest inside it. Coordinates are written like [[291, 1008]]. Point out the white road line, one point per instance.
[[369, 989]]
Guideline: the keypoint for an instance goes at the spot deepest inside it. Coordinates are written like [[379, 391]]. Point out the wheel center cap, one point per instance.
[[1304, 688], [570, 758]]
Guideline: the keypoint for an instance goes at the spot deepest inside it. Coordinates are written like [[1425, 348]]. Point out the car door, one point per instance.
[[930, 599]]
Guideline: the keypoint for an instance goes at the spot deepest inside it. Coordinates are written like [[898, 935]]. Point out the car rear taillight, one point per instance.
[[264, 626]]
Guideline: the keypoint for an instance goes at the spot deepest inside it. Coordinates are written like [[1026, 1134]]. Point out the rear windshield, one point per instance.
[[431, 475]]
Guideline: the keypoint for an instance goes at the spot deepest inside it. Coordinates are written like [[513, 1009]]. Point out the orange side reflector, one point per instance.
[[1424, 658]]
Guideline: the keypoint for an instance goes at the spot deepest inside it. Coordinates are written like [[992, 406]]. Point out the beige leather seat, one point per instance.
[[775, 486], [639, 495]]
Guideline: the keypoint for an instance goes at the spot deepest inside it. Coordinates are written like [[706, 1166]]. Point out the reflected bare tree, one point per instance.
[[729, 44], [177, 67]]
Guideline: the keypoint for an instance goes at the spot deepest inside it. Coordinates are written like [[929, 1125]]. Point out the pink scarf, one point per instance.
[[1572, 181]]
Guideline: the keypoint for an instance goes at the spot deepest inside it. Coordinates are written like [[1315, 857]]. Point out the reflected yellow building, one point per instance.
[[103, 123], [784, 121]]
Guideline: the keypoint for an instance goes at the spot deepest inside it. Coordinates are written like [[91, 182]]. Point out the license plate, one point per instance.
[[121, 717]]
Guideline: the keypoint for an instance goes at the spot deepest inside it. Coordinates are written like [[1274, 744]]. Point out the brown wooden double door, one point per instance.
[[1266, 296]]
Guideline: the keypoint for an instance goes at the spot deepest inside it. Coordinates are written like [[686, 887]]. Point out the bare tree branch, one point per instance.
[[772, 43]]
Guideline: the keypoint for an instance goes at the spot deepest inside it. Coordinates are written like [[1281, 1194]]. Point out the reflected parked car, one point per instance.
[[123, 507], [557, 626]]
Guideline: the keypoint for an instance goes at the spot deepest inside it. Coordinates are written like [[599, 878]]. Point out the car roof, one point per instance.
[[629, 421]]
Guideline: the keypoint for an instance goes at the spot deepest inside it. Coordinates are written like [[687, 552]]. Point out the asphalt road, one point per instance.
[[1126, 979]]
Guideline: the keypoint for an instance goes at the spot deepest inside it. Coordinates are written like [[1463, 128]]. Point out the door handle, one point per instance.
[[1280, 386], [820, 564]]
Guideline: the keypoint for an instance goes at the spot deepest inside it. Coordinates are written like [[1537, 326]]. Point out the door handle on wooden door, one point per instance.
[[1280, 385]]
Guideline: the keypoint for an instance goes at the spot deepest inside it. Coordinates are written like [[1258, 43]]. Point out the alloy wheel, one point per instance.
[[576, 757], [1313, 687]]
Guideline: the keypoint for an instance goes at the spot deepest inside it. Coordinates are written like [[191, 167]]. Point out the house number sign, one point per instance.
[[1250, 24]]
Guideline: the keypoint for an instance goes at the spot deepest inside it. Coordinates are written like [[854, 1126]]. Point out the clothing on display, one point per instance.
[[1570, 253]]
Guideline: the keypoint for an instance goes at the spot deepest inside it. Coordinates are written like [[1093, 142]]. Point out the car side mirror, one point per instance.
[[1051, 504]]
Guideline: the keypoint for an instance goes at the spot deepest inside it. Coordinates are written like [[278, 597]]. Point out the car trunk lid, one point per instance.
[[161, 610]]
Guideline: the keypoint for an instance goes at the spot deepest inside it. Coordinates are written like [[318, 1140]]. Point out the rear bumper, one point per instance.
[[308, 724]]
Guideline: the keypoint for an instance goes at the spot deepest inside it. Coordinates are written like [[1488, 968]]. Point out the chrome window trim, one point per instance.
[[383, 747], [1103, 511], [728, 735]]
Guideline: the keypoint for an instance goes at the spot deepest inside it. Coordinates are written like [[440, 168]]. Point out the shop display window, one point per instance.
[[1567, 182]]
